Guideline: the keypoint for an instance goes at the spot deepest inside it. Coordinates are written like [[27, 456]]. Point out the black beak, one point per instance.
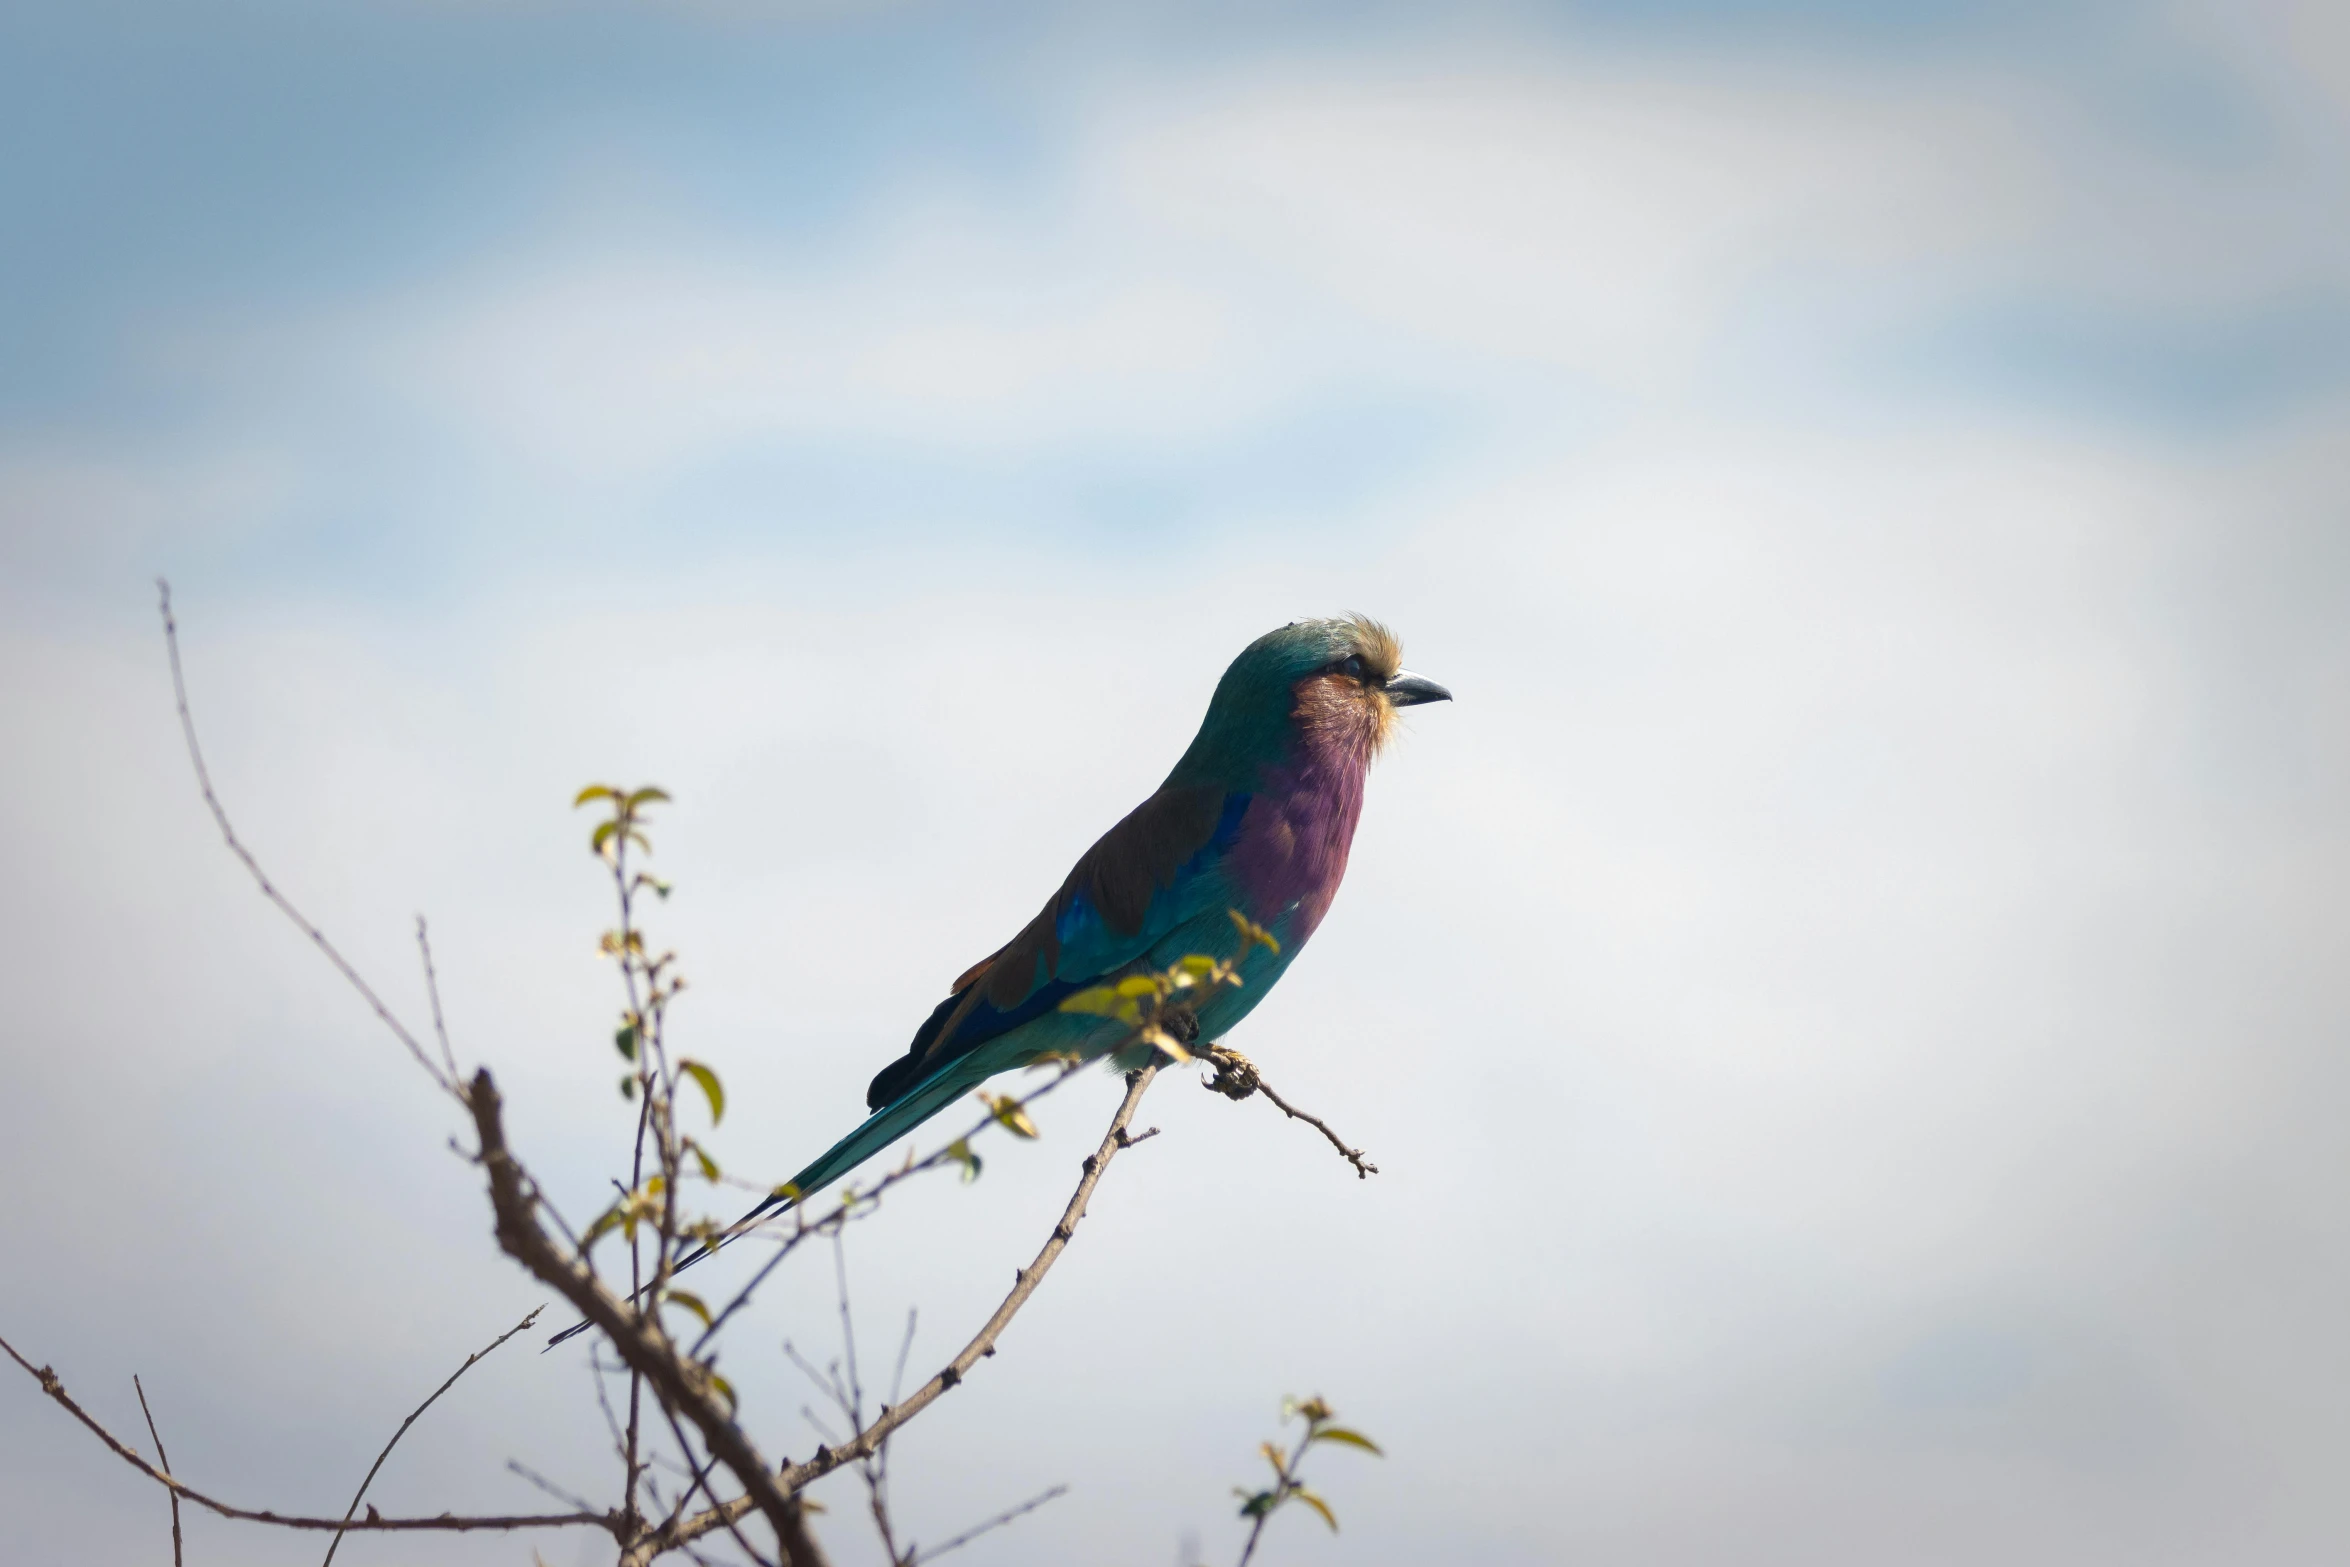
[[1410, 690]]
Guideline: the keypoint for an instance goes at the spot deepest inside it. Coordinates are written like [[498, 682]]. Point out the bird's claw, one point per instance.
[[1236, 1075]]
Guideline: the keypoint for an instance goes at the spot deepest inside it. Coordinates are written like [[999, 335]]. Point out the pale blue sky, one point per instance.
[[1848, 1003]]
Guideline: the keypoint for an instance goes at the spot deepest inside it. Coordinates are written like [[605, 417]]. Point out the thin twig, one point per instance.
[[858, 1201], [361, 1494], [855, 1205], [432, 990], [795, 1477], [1237, 1078], [997, 1522], [165, 1459], [523, 1471], [55, 1388], [179, 691]]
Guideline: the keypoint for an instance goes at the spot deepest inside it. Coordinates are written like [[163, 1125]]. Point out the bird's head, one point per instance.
[[1329, 683]]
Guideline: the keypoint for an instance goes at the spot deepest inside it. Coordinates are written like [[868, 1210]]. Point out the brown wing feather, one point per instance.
[[1118, 876]]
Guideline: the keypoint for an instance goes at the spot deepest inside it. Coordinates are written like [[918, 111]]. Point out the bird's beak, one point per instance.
[[1410, 690]]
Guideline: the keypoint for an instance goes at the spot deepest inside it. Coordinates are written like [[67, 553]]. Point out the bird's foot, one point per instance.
[[1236, 1075]]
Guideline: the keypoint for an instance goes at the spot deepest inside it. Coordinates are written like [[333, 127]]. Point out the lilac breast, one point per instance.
[[1292, 847]]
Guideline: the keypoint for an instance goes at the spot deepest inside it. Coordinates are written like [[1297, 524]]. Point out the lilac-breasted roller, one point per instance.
[[1257, 816]]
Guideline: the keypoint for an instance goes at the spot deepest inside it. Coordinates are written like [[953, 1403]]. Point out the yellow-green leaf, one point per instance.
[[602, 834], [1318, 1505], [1007, 1111], [595, 792], [690, 1301], [960, 1151], [702, 1157], [725, 1389], [707, 1081], [1253, 934], [646, 797], [1350, 1438], [1100, 1001], [789, 1191], [1139, 985], [1160, 1039]]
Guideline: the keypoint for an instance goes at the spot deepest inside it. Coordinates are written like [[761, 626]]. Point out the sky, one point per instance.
[[1847, 1004]]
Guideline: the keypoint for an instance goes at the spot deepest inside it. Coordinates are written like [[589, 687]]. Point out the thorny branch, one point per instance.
[[361, 1494], [855, 1202], [1237, 1077], [683, 1386], [795, 1477], [55, 1388]]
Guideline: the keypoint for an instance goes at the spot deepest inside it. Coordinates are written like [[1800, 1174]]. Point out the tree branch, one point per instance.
[[795, 1477], [684, 1386], [1237, 1077], [361, 1494], [1008, 1515], [165, 1459], [51, 1385], [179, 691]]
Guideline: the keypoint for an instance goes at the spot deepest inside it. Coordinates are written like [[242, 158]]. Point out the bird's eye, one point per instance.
[[1351, 666]]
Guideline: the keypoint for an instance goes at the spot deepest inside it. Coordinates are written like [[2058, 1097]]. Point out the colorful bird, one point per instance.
[[1257, 817]]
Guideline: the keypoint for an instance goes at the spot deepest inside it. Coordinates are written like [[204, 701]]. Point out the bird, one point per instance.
[[1256, 819]]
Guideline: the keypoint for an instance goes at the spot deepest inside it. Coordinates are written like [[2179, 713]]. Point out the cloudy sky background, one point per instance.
[[1848, 1004]]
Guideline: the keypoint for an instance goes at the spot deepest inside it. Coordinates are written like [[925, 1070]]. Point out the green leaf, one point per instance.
[[1160, 1039], [707, 1080], [960, 1151], [725, 1389], [1350, 1438], [1100, 1001], [1255, 1506], [709, 1166], [625, 1041], [789, 1191], [1318, 1505], [628, 1086], [688, 1300], [1135, 985], [595, 792], [646, 797], [602, 834], [1010, 1116], [1253, 934]]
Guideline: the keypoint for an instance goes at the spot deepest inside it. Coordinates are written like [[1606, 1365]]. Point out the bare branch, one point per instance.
[[997, 1522], [797, 1476], [1237, 1077], [165, 1459], [179, 691], [684, 1386], [446, 1522], [523, 1471], [841, 1214], [361, 1494], [432, 990]]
